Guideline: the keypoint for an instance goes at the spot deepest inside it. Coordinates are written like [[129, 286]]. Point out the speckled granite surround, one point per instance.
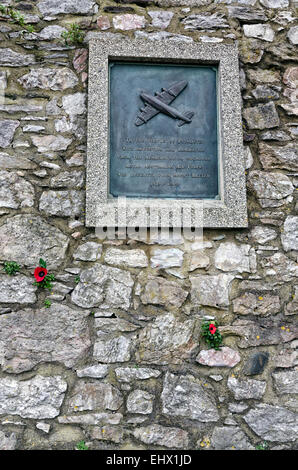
[[230, 210]]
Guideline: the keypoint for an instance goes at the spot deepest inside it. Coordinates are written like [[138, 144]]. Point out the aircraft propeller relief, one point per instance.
[[160, 104]]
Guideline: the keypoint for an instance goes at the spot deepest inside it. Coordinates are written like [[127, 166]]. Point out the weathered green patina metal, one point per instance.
[[163, 131]]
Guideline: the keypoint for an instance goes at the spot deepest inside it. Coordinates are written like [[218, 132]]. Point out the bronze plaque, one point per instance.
[[163, 137]]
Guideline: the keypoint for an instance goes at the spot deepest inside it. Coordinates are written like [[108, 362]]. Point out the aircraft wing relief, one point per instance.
[[160, 103]]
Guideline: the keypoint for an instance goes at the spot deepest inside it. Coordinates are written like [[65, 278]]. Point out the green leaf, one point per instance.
[[42, 263], [11, 267]]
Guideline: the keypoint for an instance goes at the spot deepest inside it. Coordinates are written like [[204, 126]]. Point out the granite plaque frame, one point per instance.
[[127, 146]]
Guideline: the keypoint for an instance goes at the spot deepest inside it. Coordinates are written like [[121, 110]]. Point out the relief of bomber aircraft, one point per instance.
[[160, 104]]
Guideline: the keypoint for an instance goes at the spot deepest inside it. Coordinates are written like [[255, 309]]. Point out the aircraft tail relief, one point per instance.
[[189, 115]]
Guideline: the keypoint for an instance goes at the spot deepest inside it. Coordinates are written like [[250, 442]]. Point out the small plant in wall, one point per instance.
[[11, 267], [47, 303], [74, 35], [262, 446], [211, 334], [81, 446], [15, 17], [43, 279]]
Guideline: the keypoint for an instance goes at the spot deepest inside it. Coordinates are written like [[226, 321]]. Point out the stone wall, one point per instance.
[[117, 360]]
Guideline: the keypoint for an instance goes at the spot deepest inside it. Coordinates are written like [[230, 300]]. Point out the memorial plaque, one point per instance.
[[163, 131], [165, 144]]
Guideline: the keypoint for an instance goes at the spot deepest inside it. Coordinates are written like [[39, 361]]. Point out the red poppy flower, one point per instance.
[[40, 273], [212, 328]]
